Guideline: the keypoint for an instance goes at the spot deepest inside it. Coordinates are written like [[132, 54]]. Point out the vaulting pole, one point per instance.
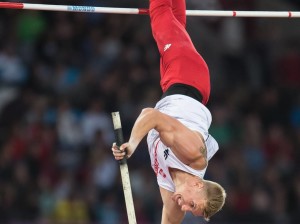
[[124, 169]]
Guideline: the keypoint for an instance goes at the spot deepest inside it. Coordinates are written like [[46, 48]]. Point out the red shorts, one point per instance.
[[180, 62]]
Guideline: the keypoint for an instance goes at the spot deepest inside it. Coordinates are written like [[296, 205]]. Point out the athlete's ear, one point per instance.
[[199, 183]]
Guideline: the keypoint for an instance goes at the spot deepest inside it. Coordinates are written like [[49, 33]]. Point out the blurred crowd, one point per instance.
[[62, 74]]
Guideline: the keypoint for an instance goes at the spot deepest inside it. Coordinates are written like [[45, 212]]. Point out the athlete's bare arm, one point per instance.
[[186, 144], [171, 212]]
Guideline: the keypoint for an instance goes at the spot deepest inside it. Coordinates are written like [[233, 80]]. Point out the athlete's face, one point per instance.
[[190, 197]]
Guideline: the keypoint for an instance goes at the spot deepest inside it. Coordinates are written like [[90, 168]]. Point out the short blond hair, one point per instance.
[[215, 196]]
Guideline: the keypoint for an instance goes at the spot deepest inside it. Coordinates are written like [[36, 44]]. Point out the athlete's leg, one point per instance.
[[180, 61], [166, 28]]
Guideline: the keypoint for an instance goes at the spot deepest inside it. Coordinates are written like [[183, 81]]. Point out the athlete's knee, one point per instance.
[[159, 6]]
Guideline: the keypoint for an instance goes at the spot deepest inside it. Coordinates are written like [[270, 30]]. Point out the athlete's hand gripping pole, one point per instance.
[[124, 169]]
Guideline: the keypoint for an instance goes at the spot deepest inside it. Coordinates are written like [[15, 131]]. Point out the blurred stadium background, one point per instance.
[[62, 74]]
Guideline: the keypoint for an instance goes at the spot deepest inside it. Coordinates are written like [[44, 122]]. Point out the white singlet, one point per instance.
[[193, 115]]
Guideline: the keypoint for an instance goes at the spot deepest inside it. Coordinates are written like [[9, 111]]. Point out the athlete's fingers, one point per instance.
[[119, 153], [124, 146], [119, 158], [121, 148], [114, 146]]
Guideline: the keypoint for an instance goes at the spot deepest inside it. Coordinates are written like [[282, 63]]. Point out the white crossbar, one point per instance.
[[140, 11]]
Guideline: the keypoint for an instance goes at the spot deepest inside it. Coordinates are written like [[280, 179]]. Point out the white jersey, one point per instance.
[[193, 115]]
